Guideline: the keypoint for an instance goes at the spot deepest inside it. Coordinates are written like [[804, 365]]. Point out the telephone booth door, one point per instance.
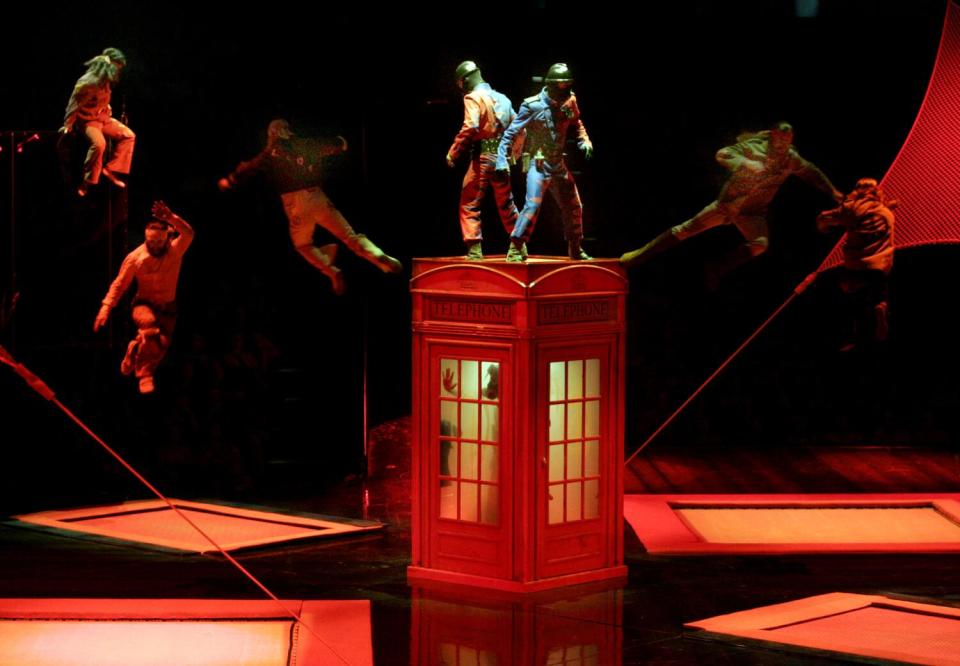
[[574, 449], [470, 496]]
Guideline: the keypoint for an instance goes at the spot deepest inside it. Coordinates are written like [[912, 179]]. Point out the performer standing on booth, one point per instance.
[[547, 117], [89, 111], [758, 164], [293, 164], [486, 114], [155, 265], [867, 217]]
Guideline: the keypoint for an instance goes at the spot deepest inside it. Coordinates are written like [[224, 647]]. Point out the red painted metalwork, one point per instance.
[[568, 626], [925, 176], [517, 429]]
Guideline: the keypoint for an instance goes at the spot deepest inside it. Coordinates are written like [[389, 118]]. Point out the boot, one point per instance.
[[515, 254], [664, 241], [575, 252], [367, 249], [474, 251]]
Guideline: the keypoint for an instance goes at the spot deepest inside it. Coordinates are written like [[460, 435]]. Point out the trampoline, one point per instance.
[[154, 522], [186, 632]]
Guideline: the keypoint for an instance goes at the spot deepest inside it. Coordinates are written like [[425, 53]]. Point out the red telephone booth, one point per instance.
[[581, 625], [518, 374]]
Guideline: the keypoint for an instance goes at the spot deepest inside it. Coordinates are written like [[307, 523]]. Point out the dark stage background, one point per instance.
[[263, 389]]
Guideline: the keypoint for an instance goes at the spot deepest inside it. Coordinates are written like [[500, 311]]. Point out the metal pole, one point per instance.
[[13, 232]]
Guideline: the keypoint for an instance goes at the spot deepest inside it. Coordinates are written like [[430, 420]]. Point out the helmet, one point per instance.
[[464, 69], [558, 73]]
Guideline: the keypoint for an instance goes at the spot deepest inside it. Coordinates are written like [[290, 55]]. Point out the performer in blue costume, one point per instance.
[[547, 118]]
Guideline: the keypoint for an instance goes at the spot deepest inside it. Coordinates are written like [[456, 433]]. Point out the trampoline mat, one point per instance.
[[795, 523], [849, 624], [155, 632], [154, 522]]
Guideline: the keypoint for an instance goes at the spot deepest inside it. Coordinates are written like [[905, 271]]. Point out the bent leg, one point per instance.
[[756, 242], [93, 164], [709, 217], [123, 143], [154, 332], [332, 220], [502, 193], [565, 193], [471, 198], [322, 258], [538, 183]]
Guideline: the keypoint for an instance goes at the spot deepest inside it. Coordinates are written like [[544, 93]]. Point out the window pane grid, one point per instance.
[[573, 474], [469, 440]]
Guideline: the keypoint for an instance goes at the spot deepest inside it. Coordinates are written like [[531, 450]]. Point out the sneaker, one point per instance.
[[575, 251], [126, 365], [146, 385], [390, 265], [515, 255], [106, 173], [474, 252]]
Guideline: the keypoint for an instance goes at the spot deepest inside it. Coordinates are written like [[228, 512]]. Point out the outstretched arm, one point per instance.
[[116, 291], [810, 174], [244, 171], [333, 146], [829, 219], [162, 211]]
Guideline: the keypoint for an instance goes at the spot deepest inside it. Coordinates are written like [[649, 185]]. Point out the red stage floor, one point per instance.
[[183, 632], [868, 626], [154, 522], [763, 524]]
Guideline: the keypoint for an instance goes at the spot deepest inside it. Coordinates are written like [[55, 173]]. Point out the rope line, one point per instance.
[[41, 387]]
